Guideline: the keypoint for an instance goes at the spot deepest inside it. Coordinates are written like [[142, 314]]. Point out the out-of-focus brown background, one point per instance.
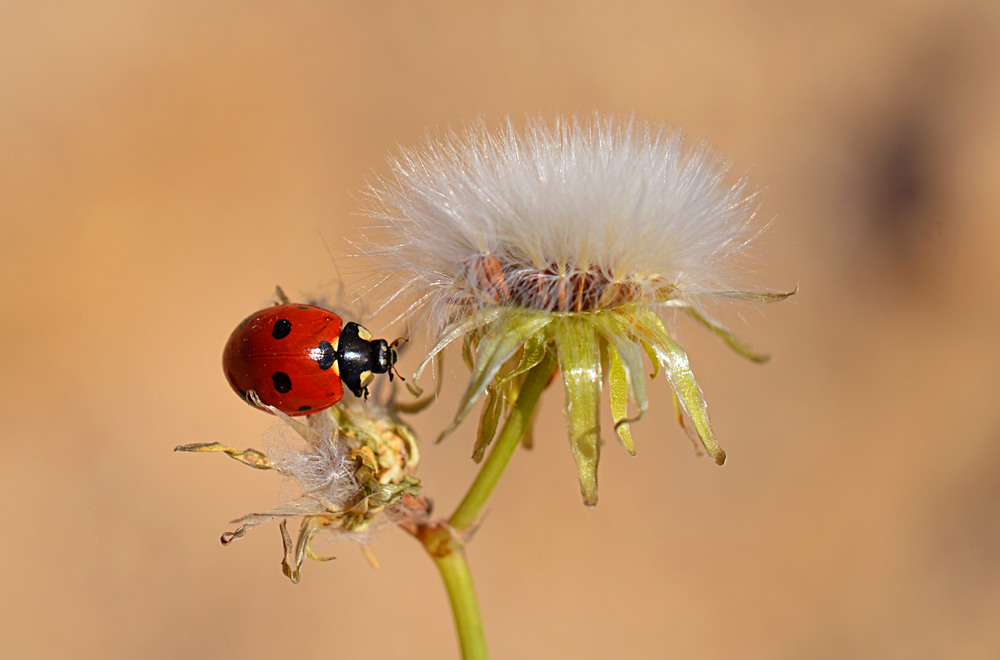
[[163, 165]]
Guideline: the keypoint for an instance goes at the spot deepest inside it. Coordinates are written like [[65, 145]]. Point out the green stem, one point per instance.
[[513, 432], [449, 557], [442, 540]]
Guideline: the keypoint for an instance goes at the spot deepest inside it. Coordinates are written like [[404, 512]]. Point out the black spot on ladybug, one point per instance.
[[305, 408], [281, 328], [281, 381], [325, 355]]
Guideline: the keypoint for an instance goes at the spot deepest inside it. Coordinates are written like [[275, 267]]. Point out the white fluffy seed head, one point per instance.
[[573, 216]]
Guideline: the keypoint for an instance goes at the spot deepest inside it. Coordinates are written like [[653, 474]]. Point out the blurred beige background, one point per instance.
[[165, 164]]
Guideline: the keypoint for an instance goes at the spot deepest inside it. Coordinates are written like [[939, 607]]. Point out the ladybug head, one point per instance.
[[384, 357]]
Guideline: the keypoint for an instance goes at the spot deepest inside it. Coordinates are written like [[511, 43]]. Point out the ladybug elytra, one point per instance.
[[298, 358]]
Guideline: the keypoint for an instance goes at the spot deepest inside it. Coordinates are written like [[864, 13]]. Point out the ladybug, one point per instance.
[[299, 358]]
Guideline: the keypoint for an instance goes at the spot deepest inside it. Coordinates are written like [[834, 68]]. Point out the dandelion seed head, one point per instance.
[[573, 216], [551, 249]]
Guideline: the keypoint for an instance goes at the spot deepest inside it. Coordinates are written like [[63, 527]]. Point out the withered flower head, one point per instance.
[[347, 472]]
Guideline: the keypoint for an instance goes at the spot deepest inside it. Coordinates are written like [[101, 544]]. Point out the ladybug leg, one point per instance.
[[392, 358], [279, 293]]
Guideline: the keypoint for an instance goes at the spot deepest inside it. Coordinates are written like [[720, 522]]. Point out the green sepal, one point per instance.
[[625, 374], [496, 346], [653, 359], [450, 334], [678, 370], [614, 331], [618, 392], [413, 407], [580, 362], [489, 419], [467, 351], [533, 353], [731, 340]]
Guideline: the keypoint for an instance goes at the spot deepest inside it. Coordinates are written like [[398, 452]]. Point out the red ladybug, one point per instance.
[[298, 358]]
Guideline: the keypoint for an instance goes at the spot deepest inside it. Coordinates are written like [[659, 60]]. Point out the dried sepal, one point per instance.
[[251, 457], [294, 555], [347, 471], [288, 565], [309, 433], [756, 296]]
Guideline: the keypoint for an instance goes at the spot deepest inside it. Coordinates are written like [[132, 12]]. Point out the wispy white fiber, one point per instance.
[[318, 475], [478, 214]]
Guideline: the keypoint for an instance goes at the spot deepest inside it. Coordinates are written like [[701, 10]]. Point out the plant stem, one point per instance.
[[513, 432], [449, 557], [440, 539]]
